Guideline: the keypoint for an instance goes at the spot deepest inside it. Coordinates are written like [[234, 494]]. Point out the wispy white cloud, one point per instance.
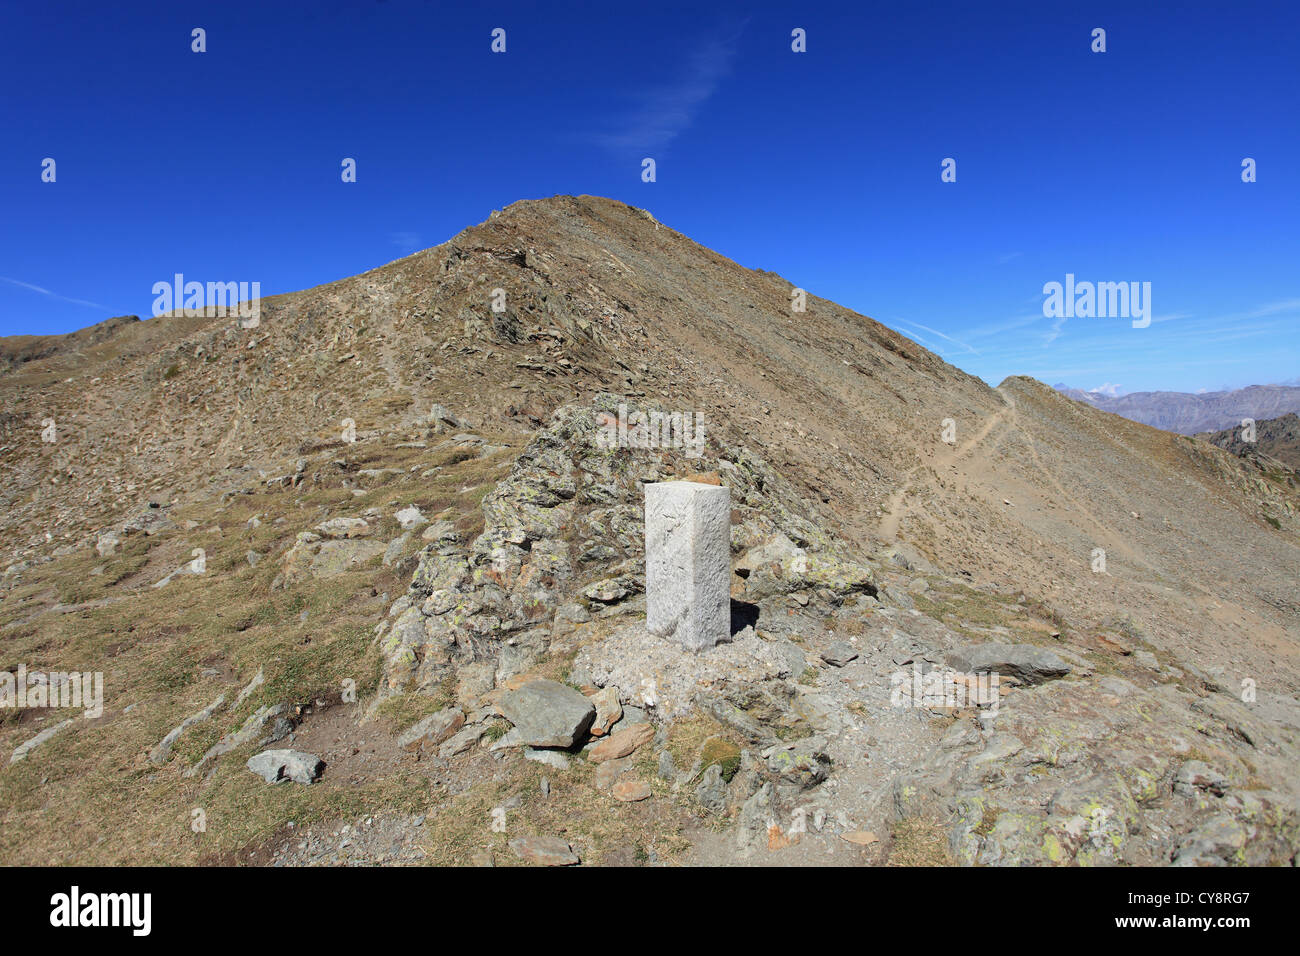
[[665, 111], [1000, 328], [52, 295], [407, 242], [1275, 308], [946, 338]]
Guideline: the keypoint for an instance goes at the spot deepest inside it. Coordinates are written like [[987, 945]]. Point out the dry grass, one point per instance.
[[919, 841], [89, 795], [600, 828]]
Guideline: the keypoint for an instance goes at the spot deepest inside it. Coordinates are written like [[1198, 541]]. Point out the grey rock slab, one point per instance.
[[160, 753], [544, 850], [44, 735], [546, 713], [433, 730], [839, 654], [1025, 662], [275, 766]]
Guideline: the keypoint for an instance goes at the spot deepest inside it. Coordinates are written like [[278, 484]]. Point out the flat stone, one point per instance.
[[544, 850], [631, 791], [547, 714], [839, 654], [433, 730], [622, 743], [1025, 662], [275, 766]]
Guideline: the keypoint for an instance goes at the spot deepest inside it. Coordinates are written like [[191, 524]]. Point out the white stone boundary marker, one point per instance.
[[688, 562]]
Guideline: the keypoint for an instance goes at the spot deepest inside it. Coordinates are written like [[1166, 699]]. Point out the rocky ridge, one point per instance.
[[447, 604]]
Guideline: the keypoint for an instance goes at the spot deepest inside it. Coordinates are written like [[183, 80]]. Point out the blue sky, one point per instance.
[[822, 166]]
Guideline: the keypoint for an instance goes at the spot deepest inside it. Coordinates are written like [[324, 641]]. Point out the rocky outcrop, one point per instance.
[[563, 541], [314, 557], [1106, 772]]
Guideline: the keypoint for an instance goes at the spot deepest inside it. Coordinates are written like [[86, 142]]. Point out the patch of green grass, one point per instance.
[[724, 753], [401, 711]]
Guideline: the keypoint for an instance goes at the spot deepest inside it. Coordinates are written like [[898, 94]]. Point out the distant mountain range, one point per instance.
[[1186, 413]]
